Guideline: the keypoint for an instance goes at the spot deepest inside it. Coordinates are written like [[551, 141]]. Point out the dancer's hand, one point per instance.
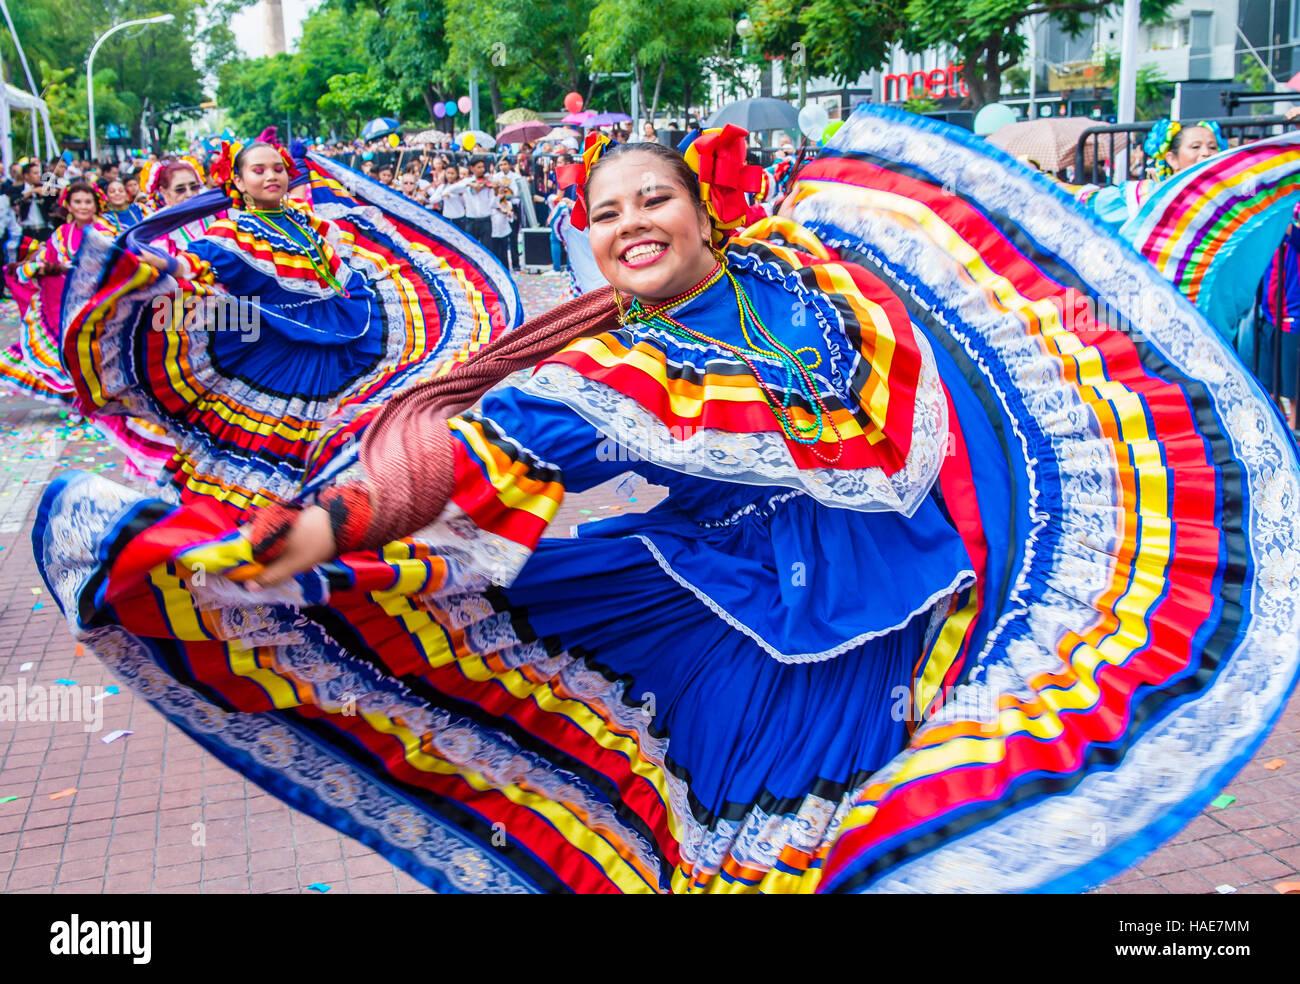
[[310, 542]]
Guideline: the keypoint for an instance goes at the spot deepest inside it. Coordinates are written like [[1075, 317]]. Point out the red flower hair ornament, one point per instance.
[[719, 159], [223, 168]]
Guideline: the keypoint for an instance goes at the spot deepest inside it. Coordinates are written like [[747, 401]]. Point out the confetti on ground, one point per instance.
[[111, 690], [61, 794], [1225, 889], [113, 736], [38, 606], [1220, 802], [24, 668], [36, 591], [1274, 765], [585, 512], [10, 799], [64, 682], [319, 887]]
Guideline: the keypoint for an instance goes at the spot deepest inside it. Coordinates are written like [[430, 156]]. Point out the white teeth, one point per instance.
[[642, 252]]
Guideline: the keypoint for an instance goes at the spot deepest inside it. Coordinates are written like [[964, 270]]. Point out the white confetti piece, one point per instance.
[[115, 735]]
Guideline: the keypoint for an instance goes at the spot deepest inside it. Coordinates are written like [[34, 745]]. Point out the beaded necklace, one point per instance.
[[796, 369], [313, 249]]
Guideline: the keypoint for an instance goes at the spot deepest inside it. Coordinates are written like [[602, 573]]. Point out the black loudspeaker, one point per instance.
[[537, 247]]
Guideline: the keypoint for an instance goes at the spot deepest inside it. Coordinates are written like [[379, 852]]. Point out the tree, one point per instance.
[[156, 71], [647, 36], [838, 38], [357, 97], [988, 35]]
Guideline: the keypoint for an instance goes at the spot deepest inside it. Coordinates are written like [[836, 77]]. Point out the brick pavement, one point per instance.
[[153, 812]]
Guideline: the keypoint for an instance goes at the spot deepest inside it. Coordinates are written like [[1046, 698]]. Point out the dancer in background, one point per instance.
[[33, 366], [241, 341], [1170, 148]]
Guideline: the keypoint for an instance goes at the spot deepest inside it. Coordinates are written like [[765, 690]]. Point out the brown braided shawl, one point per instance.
[[408, 450]]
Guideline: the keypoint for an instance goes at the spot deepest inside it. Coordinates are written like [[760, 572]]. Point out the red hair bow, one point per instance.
[[575, 175], [718, 157], [223, 168], [223, 165]]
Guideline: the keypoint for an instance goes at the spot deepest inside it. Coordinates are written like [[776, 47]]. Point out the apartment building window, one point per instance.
[[1175, 34]]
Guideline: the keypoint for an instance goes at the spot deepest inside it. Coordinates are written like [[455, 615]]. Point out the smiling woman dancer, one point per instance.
[[33, 366], [729, 692], [241, 336]]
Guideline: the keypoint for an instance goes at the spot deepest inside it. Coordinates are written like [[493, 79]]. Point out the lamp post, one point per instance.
[[90, 64]]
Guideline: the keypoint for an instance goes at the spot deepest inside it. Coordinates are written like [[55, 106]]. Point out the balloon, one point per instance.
[[369, 155], [451, 107], [455, 146], [393, 141], [831, 127], [573, 102], [812, 120], [439, 110], [992, 118], [463, 104], [469, 141]]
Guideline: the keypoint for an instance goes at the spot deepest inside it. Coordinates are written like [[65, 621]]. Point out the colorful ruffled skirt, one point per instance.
[[1124, 496]]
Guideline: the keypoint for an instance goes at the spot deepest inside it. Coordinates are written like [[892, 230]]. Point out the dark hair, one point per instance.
[[243, 152], [670, 156], [81, 188], [1176, 141], [104, 184]]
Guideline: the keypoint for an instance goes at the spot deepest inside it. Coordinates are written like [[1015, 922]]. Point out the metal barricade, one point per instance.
[[1100, 146]]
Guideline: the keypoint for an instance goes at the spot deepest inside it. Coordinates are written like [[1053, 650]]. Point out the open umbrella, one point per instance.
[[607, 119], [381, 126], [757, 114], [517, 116], [578, 119], [484, 141], [431, 137], [521, 132], [561, 133], [1048, 142]]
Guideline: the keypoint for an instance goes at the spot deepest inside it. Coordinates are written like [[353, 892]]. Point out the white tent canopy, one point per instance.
[[13, 97]]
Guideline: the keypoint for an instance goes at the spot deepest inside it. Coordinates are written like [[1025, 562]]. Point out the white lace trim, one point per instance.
[[1036, 843], [963, 580], [761, 458]]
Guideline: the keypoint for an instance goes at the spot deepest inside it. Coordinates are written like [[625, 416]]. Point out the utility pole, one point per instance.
[[1126, 101]]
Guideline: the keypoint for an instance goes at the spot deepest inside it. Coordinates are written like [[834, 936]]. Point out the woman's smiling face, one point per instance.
[[649, 235]]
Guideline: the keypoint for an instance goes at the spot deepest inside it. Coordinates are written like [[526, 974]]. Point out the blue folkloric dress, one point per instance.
[[289, 316], [1019, 589]]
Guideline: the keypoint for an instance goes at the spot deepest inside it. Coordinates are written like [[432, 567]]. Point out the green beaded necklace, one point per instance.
[[314, 249], [796, 369]]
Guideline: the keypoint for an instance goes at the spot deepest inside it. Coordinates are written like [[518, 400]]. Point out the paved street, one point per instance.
[[152, 812]]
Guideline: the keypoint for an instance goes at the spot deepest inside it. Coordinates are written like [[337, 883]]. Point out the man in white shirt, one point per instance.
[[478, 194]]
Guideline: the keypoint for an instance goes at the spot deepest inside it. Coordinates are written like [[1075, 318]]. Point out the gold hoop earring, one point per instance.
[[618, 303], [718, 255], [248, 202]]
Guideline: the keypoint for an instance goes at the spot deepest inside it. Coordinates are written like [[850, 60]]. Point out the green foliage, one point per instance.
[[986, 33], [657, 40], [154, 72], [920, 106], [1152, 89], [838, 38]]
